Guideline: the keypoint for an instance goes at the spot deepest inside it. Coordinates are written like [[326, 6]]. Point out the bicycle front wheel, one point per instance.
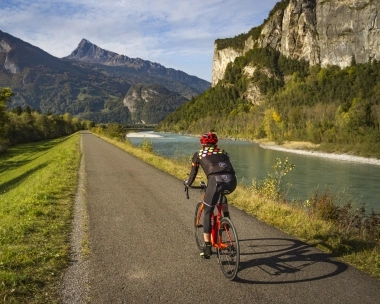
[[198, 226], [228, 248]]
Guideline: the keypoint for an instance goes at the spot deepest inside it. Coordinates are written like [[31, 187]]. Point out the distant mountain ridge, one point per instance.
[[90, 83], [87, 52]]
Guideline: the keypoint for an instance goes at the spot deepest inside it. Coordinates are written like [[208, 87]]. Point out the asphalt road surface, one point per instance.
[[143, 248]]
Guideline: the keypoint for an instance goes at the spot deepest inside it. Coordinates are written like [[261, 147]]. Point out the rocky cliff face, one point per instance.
[[149, 104], [326, 32], [5, 48]]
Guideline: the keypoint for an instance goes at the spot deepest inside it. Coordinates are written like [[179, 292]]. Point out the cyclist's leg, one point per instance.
[[208, 210], [210, 199], [228, 186]]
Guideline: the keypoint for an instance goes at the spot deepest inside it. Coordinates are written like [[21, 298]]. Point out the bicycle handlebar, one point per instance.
[[201, 186]]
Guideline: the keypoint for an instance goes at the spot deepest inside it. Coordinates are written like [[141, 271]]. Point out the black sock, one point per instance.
[[226, 214], [207, 250]]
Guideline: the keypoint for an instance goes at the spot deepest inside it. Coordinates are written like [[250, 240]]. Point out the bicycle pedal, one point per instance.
[[204, 256]]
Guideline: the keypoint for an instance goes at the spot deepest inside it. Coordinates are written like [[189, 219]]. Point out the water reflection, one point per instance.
[[250, 161]]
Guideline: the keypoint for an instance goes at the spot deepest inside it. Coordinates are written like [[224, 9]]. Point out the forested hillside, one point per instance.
[[23, 125], [336, 108]]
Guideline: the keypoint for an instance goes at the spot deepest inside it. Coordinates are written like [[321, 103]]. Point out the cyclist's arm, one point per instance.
[[194, 169]]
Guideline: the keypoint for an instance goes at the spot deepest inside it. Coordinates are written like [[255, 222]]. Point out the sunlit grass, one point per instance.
[[37, 185]]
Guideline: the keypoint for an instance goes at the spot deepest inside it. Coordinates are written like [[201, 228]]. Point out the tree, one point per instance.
[[5, 96]]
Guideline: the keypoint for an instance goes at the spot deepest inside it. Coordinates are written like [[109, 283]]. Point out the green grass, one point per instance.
[[37, 185]]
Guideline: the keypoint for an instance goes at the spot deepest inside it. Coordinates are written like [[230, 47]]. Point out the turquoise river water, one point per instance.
[[349, 180]]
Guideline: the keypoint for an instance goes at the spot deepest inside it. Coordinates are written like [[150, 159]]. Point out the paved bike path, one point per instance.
[[143, 249]]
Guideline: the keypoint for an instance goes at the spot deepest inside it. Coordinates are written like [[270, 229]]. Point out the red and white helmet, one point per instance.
[[209, 139]]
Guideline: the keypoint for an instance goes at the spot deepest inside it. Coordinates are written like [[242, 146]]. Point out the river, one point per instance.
[[348, 180]]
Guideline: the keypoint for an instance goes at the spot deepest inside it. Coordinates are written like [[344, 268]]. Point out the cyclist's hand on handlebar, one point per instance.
[[186, 188]]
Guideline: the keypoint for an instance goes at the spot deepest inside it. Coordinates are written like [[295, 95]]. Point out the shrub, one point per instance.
[[4, 145], [146, 145], [271, 187]]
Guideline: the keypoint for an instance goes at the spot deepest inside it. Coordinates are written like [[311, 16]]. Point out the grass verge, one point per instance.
[[293, 219], [38, 182]]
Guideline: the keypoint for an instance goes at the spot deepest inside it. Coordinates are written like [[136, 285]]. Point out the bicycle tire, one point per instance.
[[198, 226], [228, 249]]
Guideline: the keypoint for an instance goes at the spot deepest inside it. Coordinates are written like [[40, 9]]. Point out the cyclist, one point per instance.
[[220, 174]]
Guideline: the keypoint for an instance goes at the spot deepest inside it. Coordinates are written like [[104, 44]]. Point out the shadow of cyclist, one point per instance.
[[274, 260]]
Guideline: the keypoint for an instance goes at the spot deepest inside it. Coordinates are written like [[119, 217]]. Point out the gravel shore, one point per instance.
[[287, 148], [342, 157]]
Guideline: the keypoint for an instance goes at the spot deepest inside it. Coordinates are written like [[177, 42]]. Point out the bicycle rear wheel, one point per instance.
[[198, 226], [228, 249]]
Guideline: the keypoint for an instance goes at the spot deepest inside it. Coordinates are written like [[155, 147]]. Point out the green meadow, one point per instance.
[[38, 182]]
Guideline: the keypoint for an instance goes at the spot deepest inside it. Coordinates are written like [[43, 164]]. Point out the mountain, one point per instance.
[[50, 84], [82, 84], [310, 72], [328, 32], [151, 103], [137, 70]]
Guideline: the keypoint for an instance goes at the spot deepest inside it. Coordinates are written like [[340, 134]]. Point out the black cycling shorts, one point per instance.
[[216, 183]]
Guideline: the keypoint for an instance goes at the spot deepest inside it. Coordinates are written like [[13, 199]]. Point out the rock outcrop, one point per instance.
[[149, 104], [5, 48], [325, 32]]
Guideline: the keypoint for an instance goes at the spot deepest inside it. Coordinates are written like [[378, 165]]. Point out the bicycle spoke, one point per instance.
[[229, 249]]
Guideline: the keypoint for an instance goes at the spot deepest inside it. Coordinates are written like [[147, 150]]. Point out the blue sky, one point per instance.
[[177, 34]]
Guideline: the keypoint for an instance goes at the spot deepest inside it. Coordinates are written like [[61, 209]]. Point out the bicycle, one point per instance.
[[224, 237]]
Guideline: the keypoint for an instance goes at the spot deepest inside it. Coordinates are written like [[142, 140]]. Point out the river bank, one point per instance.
[[305, 149]]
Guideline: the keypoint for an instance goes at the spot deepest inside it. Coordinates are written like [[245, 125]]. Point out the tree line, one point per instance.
[[21, 125]]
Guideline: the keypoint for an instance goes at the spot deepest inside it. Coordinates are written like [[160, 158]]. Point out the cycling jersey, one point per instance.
[[214, 161]]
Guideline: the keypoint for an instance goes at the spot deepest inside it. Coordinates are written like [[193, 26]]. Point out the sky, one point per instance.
[[174, 33]]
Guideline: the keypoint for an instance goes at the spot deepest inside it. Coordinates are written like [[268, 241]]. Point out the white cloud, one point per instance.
[[177, 34]]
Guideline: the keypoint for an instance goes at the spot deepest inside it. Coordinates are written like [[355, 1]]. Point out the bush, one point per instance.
[[351, 221], [4, 145], [271, 187], [146, 145]]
